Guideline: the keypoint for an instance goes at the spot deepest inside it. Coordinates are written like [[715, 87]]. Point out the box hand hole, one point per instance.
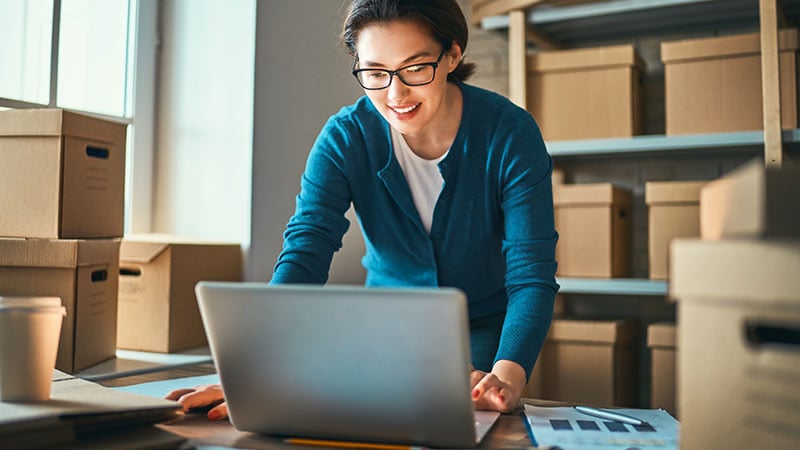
[[130, 272], [97, 152], [99, 275], [763, 334]]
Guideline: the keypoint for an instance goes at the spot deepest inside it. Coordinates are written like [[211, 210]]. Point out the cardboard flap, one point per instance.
[[590, 194], [756, 271], [661, 335], [31, 122], [584, 58], [591, 331], [673, 191], [66, 253], [140, 252], [57, 122], [716, 47]]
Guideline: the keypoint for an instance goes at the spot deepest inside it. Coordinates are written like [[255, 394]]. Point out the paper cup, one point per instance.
[[30, 328]]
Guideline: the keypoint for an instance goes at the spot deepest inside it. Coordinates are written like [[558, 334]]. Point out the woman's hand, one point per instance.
[[202, 396], [499, 390]]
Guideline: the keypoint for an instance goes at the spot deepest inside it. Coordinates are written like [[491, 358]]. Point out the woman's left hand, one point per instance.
[[500, 389]]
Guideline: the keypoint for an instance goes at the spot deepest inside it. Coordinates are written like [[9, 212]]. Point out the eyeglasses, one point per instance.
[[418, 74]]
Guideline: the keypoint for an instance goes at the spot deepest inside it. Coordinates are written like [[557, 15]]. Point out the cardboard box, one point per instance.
[[739, 359], [594, 226], [586, 93], [589, 362], [752, 201], [673, 211], [158, 309], [82, 273], [558, 177], [714, 84], [62, 175], [663, 353]]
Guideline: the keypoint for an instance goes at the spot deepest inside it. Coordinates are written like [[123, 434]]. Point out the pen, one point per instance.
[[347, 444], [605, 414]]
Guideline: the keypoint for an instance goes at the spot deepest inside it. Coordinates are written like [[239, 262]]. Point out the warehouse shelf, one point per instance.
[[619, 19], [612, 286], [744, 141]]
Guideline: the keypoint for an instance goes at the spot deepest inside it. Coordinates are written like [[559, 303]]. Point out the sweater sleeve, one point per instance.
[[528, 245], [315, 230]]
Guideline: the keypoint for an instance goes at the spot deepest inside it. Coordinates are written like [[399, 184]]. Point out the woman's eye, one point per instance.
[[377, 75], [415, 69]]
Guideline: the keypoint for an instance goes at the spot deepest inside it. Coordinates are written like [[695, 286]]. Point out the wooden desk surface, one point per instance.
[[508, 432]]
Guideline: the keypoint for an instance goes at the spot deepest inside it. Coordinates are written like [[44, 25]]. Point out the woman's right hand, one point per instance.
[[200, 397]]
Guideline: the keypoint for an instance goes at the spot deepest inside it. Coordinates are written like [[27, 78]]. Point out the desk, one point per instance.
[[508, 432]]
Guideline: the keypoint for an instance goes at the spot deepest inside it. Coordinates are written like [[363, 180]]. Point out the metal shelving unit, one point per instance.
[[621, 19], [614, 286], [691, 144], [604, 20], [614, 20]]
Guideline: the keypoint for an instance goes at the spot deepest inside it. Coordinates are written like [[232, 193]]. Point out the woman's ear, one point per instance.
[[454, 56]]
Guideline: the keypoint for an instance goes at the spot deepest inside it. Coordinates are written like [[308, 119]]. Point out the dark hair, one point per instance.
[[443, 18]]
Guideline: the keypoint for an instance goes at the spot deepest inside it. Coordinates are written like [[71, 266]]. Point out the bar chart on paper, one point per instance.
[[569, 429]]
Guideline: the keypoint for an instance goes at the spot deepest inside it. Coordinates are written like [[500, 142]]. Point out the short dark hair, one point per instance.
[[443, 18]]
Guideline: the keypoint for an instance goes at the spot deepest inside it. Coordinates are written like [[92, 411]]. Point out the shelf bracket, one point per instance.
[[770, 83]]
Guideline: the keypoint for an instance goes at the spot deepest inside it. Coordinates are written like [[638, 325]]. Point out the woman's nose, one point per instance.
[[397, 89]]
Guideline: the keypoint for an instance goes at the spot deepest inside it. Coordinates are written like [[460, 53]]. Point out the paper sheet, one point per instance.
[[159, 389], [568, 429]]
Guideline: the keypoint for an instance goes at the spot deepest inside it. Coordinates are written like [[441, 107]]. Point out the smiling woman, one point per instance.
[[450, 184]]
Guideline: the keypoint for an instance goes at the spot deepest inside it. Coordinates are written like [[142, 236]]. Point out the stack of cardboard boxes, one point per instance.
[[738, 294], [62, 200], [711, 86]]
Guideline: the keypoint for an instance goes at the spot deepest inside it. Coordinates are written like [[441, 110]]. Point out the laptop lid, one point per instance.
[[341, 362]]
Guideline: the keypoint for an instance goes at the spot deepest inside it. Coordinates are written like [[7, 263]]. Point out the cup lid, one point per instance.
[[29, 302]]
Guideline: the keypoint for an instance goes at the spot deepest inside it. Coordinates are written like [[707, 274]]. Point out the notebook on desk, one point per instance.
[[344, 363]]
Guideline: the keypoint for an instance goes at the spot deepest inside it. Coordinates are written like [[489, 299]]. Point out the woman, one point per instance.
[[451, 185]]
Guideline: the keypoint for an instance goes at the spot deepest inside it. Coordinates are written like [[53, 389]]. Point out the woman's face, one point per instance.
[[408, 109]]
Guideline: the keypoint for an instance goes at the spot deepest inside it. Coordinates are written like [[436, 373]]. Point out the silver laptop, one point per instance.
[[344, 363]]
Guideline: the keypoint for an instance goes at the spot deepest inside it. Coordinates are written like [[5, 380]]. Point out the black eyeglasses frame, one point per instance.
[[393, 73]]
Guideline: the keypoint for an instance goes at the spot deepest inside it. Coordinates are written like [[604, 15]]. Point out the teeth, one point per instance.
[[405, 110]]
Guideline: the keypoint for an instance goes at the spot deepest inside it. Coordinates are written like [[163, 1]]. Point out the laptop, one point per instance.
[[344, 362]]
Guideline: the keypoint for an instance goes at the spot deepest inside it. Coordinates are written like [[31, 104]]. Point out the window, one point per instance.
[[85, 55], [94, 51], [26, 32]]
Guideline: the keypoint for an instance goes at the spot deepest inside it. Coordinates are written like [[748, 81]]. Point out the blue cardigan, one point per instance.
[[492, 234]]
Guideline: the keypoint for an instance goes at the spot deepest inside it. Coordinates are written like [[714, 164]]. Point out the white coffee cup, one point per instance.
[[30, 328]]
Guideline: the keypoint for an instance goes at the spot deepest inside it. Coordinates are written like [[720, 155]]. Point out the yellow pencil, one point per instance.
[[347, 444]]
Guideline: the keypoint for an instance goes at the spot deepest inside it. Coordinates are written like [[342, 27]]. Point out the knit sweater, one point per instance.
[[492, 234]]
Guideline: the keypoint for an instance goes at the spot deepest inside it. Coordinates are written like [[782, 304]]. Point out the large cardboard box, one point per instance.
[[588, 362], [663, 354], [62, 175], [673, 211], [739, 358], [158, 309], [714, 84], [586, 93], [83, 274], [752, 201], [594, 226]]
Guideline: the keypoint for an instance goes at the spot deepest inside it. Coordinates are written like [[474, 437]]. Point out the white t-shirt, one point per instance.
[[422, 175]]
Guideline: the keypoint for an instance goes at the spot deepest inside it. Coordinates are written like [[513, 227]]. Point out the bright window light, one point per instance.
[[93, 56], [25, 38]]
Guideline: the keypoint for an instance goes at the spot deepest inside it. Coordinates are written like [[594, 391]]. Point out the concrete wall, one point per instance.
[[302, 77]]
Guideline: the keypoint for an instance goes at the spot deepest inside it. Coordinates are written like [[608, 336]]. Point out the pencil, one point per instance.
[[347, 444]]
